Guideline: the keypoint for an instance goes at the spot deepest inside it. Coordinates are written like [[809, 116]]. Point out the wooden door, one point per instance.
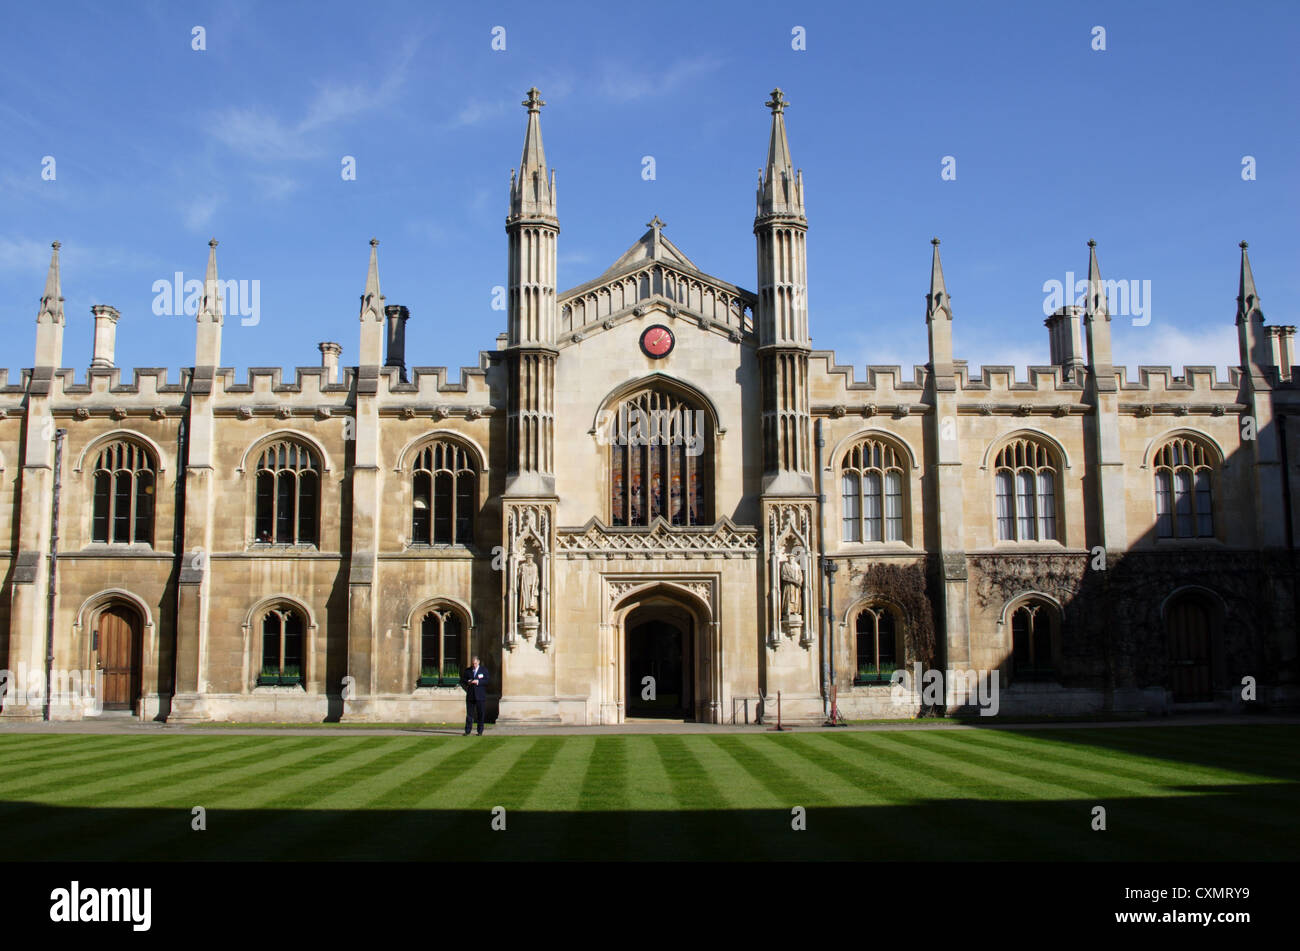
[[119, 657], [1189, 650]]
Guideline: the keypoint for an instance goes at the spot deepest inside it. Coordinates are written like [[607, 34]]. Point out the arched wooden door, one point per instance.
[[1188, 623], [120, 645]]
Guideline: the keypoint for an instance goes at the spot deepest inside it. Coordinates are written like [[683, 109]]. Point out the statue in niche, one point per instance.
[[528, 594], [792, 592]]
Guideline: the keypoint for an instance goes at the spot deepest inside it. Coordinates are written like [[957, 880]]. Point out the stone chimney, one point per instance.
[[1065, 334], [329, 359], [397, 317], [1283, 346], [105, 335]]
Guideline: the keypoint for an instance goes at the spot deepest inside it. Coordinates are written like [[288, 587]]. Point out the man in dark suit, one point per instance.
[[474, 679]]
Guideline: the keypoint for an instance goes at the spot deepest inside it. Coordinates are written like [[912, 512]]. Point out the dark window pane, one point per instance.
[[307, 483], [465, 505], [265, 506], [284, 499], [144, 507], [888, 658], [122, 507], [103, 492], [451, 646], [292, 644], [442, 496], [271, 644], [421, 503], [429, 646]]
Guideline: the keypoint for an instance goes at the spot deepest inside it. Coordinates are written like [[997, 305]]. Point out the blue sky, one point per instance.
[[159, 147]]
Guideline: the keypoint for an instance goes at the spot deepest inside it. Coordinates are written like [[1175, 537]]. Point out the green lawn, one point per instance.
[[1170, 793]]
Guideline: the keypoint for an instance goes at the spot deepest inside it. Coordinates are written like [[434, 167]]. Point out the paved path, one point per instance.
[[130, 725]]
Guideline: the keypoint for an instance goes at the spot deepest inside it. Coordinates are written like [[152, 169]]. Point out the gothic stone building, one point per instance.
[[653, 474]]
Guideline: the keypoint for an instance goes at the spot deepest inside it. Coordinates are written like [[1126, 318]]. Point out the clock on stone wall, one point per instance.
[[657, 341]]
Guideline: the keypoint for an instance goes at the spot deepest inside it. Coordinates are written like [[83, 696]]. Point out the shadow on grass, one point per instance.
[[1260, 749], [1215, 823]]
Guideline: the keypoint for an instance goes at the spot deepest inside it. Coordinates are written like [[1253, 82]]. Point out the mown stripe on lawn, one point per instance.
[[949, 820], [438, 820], [82, 818], [81, 770], [277, 821], [878, 789], [764, 765]]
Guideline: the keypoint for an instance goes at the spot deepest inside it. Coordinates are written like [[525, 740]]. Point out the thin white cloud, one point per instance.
[[199, 212], [261, 134], [626, 85], [1166, 345]]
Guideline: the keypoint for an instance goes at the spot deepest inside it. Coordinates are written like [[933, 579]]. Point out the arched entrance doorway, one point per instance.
[[660, 664], [120, 649], [1190, 621]]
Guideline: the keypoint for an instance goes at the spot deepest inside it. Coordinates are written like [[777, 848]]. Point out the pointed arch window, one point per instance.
[[288, 495], [1026, 478], [124, 482], [282, 648], [444, 495], [1184, 484], [442, 648], [660, 460], [879, 644], [872, 480]]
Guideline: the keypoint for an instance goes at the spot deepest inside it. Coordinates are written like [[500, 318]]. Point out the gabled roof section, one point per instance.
[[651, 246], [654, 271]]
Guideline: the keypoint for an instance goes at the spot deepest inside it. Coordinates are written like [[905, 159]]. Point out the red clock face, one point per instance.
[[657, 341]]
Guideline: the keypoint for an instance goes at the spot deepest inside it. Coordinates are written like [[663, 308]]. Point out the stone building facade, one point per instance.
[[653, 481]]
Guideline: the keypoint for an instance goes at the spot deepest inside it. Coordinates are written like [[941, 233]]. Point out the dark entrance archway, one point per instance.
[[661, 647]]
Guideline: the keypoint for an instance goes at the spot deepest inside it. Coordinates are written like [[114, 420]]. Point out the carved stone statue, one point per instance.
[[792, 588], [528, 587]]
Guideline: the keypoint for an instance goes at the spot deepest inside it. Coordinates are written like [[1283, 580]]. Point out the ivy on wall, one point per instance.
[[905, 586]]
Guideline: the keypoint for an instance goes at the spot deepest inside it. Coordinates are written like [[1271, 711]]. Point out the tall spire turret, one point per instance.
[[1096, 316], [372, 313], [1252, 339], [207, 347], [50, 319], [938, 318], [533, 230], [532, 195], [780, 187], [780, 231]]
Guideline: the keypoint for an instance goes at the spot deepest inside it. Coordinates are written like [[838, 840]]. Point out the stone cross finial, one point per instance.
[[656, 225], [778, 101], [534, 102]]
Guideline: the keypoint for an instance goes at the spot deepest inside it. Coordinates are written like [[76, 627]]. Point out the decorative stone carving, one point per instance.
[[283, 412], [323, 412], [244, 412], [118, 413], [528, 574], [869, 410], [838, 411], [1144, 411], [158, 412], [1217, 411], [474, 412], [408, 412], [82, 413], [440, 413], [1024, 409], [986, 409], [1061, 409], [659, 540]]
